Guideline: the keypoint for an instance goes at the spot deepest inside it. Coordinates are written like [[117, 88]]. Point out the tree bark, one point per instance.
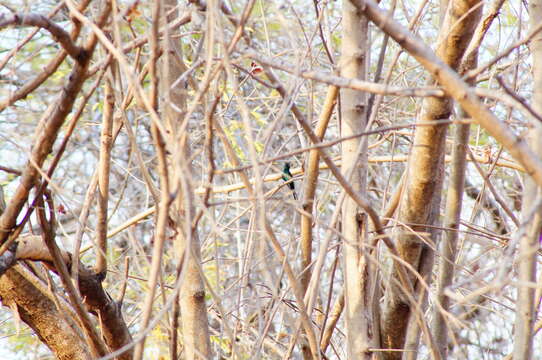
[[448, 246], [420, 204], [309, 187], [531, 212], [55, 327], [452, 216], [23, 289], [353, 64], [193, 310]]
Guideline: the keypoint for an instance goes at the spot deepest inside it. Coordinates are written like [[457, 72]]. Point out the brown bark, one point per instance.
[[55, 327], [456, 88], [360, 333], [193, 310], [454, 202], [103, 178], [96, 300], [421, 201], [311, 178]]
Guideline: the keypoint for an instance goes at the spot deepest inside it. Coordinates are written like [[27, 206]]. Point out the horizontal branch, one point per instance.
[[32, 247], [343, 82], [509, 99], [485, 159], [59, 34]]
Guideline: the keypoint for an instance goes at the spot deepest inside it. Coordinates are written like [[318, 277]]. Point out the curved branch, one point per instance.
[[51, 318], [46, 134], [50, 68], [59, 34], [97, 300]]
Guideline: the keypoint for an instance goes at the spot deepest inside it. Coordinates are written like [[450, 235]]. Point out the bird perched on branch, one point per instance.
[[287, 176]]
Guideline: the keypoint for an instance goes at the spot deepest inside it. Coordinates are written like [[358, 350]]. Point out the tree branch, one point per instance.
[[59, 34]]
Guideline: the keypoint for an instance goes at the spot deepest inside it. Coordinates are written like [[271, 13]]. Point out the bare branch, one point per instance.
[[456, 88], [59, 34], [342, 82]]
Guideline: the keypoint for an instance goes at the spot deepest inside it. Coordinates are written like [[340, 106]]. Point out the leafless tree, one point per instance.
[[224, 179]]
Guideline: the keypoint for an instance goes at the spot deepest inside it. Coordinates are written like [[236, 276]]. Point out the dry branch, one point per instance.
[[98, 302], [343, 82], [456, 88], [48, 70], [59, 34]]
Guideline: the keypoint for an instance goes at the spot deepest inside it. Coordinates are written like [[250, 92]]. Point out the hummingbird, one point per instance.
[[287, 176]]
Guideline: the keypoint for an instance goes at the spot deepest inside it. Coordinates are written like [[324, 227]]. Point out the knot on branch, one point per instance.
[[8, 258]]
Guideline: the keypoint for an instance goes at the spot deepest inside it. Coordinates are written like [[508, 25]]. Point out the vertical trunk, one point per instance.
[[103, 179], [354, 117], [454, 200], [193, 310], [309, 186], [532, 222], [421, 201], [448, 247]]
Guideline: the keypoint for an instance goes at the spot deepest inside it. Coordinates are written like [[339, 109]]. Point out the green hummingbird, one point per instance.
[[287, 176]]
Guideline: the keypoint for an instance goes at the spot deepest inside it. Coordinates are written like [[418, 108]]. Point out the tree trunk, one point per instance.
[[454, 202], [448, 247], [532, 216], [421, 201], [353, 64], [193, 310]]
